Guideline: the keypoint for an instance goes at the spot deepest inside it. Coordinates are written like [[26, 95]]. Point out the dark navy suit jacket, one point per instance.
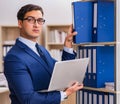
[[27, 73]]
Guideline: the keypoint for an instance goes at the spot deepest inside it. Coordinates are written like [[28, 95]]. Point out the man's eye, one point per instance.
[[30, 19], [39, 20]]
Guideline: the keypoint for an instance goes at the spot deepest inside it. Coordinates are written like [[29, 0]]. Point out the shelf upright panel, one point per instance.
[[1, 51], [117, 51]]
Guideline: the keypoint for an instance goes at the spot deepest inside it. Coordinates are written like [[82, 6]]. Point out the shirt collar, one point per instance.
[[27, 42]]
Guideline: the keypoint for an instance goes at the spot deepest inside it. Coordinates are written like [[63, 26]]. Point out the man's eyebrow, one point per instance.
[[30, 16], [34, 17]]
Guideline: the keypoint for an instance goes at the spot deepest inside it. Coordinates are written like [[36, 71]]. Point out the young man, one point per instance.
[[26, 70]]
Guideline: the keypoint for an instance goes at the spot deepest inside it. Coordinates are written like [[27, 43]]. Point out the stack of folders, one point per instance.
[[95, 97], [56, 53], [57, 36], [6, 49], [101, 64], [7, 45], [3, 81], [93, 21], [109, 85]]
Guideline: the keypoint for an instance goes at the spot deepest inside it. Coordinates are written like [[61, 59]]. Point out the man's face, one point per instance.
[[30, 30]]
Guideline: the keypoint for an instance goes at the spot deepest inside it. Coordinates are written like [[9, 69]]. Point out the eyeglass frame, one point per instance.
[[39, 22]]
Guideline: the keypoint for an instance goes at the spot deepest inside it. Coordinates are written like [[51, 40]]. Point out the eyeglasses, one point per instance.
[[32, 20]]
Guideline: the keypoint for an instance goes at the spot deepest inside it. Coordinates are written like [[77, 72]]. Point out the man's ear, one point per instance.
[[20, 23]]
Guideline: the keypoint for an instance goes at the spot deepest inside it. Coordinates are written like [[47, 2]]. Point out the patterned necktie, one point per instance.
[[41, 53]]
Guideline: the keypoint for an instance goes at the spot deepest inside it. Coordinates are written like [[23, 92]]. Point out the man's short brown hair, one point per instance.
[[27, 8]]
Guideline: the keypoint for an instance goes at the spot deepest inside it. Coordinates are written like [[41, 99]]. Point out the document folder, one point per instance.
[[105, 28], [82, 21]]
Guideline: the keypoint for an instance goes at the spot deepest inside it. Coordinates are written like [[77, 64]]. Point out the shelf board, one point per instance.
[[88, 44], [101, 90], [97, 44], [9, 26], [56, 25], [52, 43], [4, 89], [8, 44]]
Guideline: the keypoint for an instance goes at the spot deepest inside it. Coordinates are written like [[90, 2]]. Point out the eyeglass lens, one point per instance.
[[32, 20]]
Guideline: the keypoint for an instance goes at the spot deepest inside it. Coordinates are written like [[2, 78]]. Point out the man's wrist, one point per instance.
[[69, 50], [65, 95]]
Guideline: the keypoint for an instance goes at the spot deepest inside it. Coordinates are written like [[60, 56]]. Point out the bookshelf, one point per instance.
[[8, 35], [106, 33], [55, 35]]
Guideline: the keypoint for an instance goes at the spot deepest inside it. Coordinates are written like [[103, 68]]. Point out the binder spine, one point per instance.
[[90, 77], [94, 97], [94, 32], [6, 49], [101, 64]]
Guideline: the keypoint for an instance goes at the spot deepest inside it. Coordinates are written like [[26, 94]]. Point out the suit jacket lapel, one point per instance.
[[32, 53]]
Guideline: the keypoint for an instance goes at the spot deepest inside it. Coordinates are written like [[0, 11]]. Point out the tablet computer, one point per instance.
[[65, 73]]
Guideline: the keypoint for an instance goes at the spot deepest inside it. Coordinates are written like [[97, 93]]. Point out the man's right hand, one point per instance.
[[75, 87]]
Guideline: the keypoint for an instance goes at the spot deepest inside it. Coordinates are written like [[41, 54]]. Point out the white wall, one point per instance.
[[56, 11]]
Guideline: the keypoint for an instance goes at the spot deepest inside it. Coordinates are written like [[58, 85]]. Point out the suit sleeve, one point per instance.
[[20, 84], [68, 56]]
